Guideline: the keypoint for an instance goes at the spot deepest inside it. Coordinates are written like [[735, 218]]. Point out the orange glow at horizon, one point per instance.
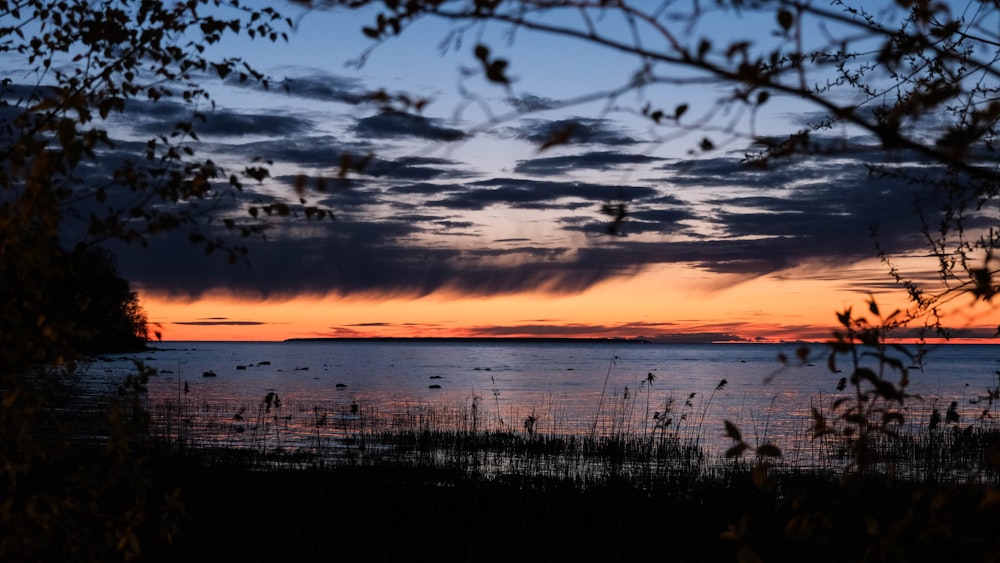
[[665, 301]]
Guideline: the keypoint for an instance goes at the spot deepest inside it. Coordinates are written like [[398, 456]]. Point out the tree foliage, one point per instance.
[[87, 67], [910, 81], [73, 304], [75, 70]]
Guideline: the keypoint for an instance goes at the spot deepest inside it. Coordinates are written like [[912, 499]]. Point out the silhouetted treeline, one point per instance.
[[57, 305]]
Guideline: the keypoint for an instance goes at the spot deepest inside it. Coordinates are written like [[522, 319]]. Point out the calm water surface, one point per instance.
[[567, 387]]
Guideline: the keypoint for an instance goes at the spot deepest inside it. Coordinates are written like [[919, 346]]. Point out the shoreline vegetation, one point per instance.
[[386, 513], [618, 443], [272, 478], [472, 483], [426, 494], [464, 485]]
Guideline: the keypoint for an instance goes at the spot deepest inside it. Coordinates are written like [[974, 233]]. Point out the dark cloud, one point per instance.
[[528, 103], [835, 218], [333, 192], [549, 330], [320, 151], [219, 323], [415, 169], [417, 217], [596, 160], [314, 84], [118, 200], [456, 224], [325, 87], [654, 332], [731, 173], [19, 93], [395, 124], [423, 188], [359, 258], [221, 122], [155, 118], [641, 221], [759, 235], [548, 253], [537, 194], [580, 131], [408, 224], [325, 151], [696, 338]]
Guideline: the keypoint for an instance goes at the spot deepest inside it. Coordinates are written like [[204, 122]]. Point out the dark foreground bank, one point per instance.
[[412, 514]]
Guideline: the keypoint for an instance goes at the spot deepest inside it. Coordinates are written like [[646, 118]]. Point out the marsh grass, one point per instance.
[[447, 480], [669, 445]]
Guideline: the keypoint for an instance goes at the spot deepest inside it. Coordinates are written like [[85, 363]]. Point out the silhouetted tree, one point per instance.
[[110, 318], [68, 185]]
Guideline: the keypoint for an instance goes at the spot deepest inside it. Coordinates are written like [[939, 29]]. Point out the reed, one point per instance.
[[455, 437]]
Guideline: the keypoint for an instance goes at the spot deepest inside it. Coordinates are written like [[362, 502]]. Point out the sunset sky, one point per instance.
[[461, 226]]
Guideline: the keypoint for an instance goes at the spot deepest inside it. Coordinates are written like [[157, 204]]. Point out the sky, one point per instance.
[[461, 225]]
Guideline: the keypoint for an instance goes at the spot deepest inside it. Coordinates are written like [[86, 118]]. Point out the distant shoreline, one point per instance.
[[682, 341], [478, 339]]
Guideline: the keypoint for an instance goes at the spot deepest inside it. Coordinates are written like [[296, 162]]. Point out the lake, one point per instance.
[[565, 388]]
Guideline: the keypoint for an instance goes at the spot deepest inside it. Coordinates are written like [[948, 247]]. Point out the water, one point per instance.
[[568, 388]]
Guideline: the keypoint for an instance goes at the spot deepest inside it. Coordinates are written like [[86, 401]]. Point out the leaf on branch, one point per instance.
[[737, 47], [872, 306], [802, 353], [558, 137], [349, 162], [257, 173], [785, 19], [704, 46], [618, 212], [892, 417], [733, 432], [737, 450], [300, 183], [983, 280], [819, 421], [768, 450], [495, 69], [222, 69], [951, 416], [108, 104]]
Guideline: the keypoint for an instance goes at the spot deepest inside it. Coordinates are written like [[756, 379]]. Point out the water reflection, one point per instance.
[[336, 397]]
